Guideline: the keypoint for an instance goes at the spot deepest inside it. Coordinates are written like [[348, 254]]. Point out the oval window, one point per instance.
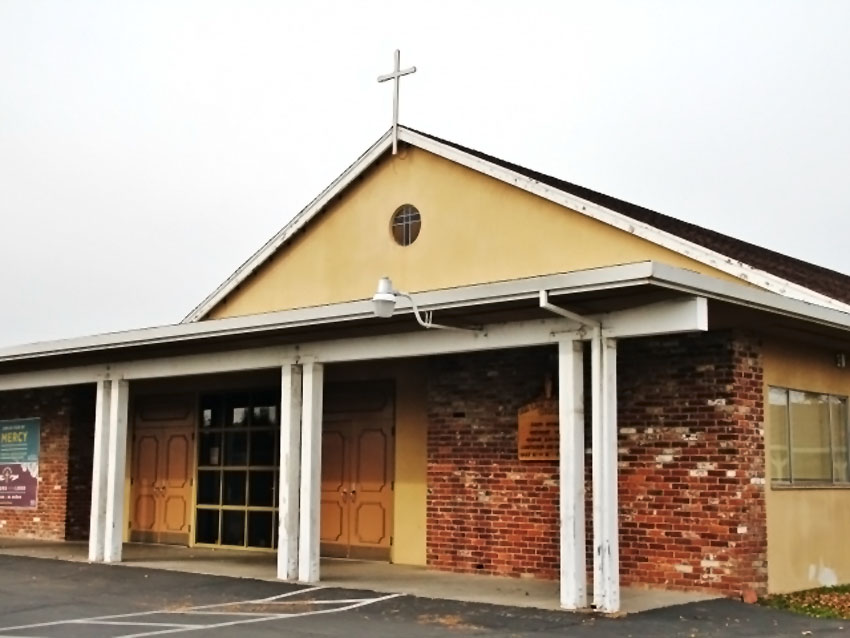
[[406, 223]]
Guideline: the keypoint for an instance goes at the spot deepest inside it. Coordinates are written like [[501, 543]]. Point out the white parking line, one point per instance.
[[220, 613], [259, 601], [234, 623], [134, 614], [215, 609], [130, 624]]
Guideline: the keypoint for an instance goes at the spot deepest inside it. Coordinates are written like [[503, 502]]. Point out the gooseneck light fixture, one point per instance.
[[384, 301]]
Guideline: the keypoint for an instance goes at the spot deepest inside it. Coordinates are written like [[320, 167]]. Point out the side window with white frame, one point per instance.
[[808, 434]]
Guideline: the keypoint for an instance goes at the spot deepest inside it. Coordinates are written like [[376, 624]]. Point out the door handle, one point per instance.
[[344, 495], [353, 492]]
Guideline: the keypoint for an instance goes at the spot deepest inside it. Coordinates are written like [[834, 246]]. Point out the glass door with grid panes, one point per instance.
[[238, 444]]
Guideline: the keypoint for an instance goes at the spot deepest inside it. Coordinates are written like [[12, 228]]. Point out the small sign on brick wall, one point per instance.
[[19, 449], [537, 436]]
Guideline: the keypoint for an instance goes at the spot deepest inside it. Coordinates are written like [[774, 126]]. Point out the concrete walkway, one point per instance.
[[380, 577]]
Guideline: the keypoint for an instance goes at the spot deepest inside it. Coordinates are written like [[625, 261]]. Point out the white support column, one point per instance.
[[290, 471], [97, 519], [596, 462], [311, 472], [610, 528], [571, 419], [116, 464]]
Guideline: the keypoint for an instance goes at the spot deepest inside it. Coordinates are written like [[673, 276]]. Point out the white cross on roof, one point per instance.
[[395, 76]]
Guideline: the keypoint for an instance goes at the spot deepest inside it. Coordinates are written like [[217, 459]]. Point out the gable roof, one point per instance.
[[765, 268]]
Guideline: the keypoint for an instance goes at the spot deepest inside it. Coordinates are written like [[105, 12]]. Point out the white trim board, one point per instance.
[[688, 314], [723, 263], [608, 277], [418, 343], [595, 279]]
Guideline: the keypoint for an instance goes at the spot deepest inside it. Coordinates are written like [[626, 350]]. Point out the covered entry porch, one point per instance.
[[301, 346]]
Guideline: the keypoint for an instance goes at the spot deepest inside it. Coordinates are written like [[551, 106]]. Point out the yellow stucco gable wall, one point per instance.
[[475, 229]]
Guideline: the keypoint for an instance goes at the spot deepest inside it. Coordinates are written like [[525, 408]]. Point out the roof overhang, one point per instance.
[[595, 293]]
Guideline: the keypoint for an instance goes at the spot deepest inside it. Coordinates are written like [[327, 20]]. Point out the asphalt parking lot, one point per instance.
[[50, 598]]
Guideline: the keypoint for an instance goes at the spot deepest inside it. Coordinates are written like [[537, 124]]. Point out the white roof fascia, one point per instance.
[[605, 278], [692, 282], [294, 225], [609, 277], [721, 262]]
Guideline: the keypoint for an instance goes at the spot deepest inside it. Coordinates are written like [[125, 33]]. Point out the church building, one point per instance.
[[452, 361]]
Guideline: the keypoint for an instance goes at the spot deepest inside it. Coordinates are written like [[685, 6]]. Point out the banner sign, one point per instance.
[[19, 448]]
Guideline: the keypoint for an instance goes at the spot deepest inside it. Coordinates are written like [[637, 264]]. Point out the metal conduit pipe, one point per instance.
[[563, 312]]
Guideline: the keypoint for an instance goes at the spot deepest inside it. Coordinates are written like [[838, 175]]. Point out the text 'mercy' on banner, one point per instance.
[[19, 446]]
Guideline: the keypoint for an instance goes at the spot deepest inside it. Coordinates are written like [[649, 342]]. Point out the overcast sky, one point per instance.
[[148, 148]]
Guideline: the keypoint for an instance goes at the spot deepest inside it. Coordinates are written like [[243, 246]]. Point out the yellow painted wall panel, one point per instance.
[[806, 527], [475, 229], [411, 486], [411, 441]]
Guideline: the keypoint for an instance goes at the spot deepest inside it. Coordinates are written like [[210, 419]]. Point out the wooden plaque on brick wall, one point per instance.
[[537, 436]]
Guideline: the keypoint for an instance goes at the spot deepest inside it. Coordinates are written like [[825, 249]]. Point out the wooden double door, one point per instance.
[[357, 471], [162, 469]]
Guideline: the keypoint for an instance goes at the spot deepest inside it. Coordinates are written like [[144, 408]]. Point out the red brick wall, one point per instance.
[[487, 512], [692, 502], [691, 465], [63, 413]]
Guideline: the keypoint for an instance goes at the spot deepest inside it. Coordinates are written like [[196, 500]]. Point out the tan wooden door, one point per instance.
[[336, 484], [162, 474], [357, 472]]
